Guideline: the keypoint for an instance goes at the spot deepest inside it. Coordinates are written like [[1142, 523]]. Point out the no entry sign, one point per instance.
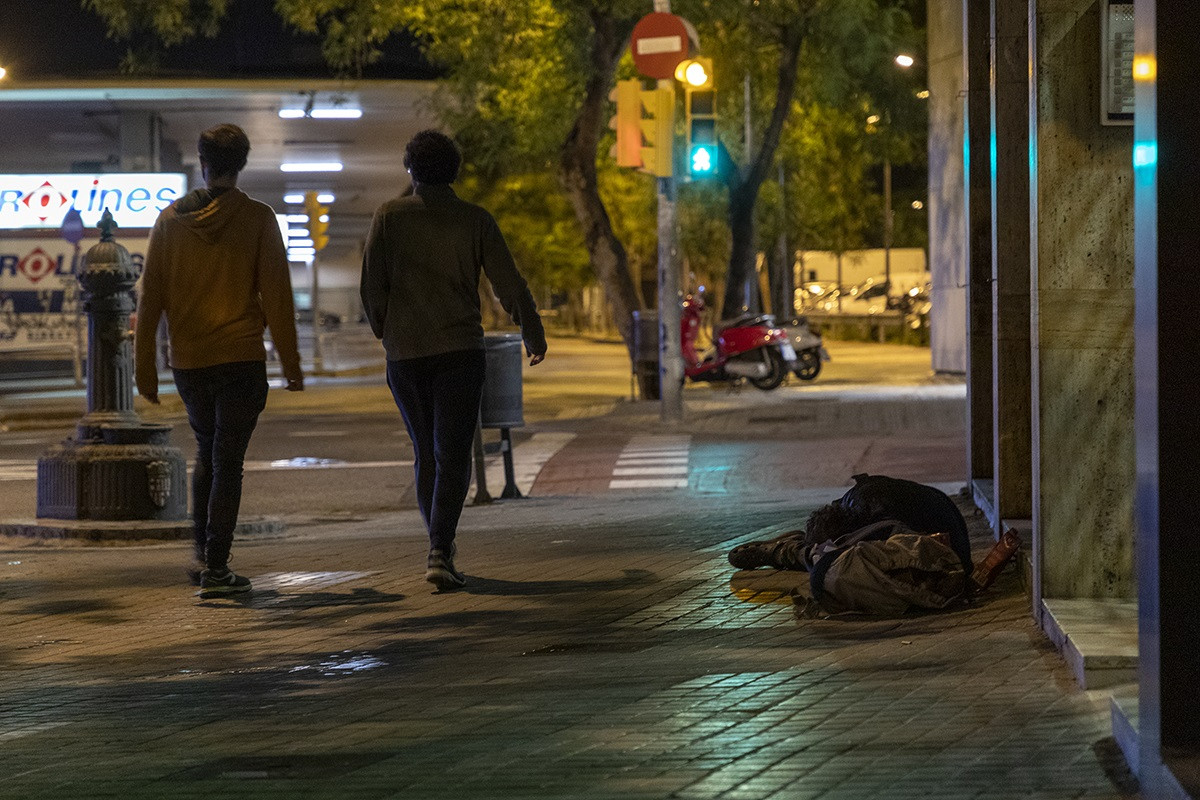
[[659, 43]]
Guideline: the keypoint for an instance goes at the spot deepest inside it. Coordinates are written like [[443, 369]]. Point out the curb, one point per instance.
[[111, 531]]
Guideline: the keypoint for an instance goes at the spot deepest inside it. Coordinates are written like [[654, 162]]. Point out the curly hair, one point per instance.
[[224, 149], [432, 157]]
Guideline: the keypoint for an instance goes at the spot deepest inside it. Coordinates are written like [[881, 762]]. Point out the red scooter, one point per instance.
[[749, 347]]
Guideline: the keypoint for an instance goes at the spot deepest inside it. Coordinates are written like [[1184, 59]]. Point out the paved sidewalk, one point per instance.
[[603, 649]]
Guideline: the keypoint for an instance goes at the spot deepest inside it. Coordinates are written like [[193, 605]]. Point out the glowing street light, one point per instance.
[[904, 60]]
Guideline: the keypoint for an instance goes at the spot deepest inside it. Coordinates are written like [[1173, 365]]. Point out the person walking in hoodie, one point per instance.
[[216, 267], [420, 292]]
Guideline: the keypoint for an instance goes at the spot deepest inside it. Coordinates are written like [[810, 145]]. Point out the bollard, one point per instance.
[[117, 467]]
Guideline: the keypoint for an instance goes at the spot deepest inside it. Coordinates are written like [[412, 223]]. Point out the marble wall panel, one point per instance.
[[1082, 319]]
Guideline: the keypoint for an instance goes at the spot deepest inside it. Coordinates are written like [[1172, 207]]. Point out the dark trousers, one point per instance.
[[223, 403], [438, 397]]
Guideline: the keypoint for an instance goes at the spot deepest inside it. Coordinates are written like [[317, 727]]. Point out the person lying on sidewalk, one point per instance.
[[873, 498], [884, 547]]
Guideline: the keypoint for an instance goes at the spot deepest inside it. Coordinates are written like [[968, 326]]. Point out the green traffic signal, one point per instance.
[[702, 160]]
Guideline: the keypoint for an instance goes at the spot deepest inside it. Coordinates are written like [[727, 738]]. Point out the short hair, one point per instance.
[[224, 148], [831, 522], [432, 157]]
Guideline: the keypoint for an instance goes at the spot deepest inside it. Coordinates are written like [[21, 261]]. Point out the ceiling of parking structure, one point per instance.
[[64, 127]]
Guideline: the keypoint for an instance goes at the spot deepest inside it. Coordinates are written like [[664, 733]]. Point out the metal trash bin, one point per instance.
[[502, 405], [645, 353]]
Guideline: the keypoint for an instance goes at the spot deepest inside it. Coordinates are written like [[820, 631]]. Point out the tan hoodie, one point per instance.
[[218, 269]]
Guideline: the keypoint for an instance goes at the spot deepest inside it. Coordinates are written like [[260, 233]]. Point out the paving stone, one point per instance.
[[601, 650]]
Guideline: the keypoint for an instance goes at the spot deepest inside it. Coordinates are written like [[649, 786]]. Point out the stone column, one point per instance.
[[1011, 356], [947, 223], [978, 196], [140, 141], [1082, 315]]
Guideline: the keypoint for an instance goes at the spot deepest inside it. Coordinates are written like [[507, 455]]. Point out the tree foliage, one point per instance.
[[827, 52], [148, 26], [525, 91]]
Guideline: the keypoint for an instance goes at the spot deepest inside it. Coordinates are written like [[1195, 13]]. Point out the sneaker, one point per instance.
[[440, 571], [222, 582]]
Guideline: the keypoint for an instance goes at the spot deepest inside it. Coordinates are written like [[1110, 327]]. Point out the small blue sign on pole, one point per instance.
[[72, 227]]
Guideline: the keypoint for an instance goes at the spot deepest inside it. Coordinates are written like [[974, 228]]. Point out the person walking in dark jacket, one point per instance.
[[420, 293], [217, 269]]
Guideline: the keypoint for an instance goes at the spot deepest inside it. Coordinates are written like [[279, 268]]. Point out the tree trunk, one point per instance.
[[578, 174], [745, 183], [742, 251]]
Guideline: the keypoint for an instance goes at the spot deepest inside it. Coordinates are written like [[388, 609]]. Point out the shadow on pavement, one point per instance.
[[497, 586]]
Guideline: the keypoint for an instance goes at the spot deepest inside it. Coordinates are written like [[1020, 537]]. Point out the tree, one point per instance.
[[527, 88], [151, 25], [829, 47]]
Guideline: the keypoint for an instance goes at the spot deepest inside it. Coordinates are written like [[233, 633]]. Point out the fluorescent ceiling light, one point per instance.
[[325, 197], [302, 251], [304, 257], [296, 233], [323, 218], [291, 113], [300, 245], [295, 217], [294, 199], [311, 166], [334, 113]]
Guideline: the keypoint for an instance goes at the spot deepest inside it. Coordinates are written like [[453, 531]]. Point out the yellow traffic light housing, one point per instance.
[[700, 106], [627, 123], [658, 131], [318, 220]]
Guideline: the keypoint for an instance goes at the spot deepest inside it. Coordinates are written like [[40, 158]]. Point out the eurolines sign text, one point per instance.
[[42, 201]]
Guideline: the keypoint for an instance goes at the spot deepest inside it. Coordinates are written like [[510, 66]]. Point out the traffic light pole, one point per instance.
[[315, 294], [670, 354]]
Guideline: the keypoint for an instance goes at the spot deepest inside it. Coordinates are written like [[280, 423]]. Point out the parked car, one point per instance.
[[817, 296], [876, 295]]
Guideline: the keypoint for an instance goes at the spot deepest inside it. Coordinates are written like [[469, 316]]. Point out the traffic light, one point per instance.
[[318, 220], [658, 131], [627, 123], [700, 105]]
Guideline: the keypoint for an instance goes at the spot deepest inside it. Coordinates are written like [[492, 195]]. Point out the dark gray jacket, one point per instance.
[[420, 276]]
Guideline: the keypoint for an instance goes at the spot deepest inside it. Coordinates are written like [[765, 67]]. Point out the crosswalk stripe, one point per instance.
[[528, 459], [652, 462], [648, 483], [672, 470]]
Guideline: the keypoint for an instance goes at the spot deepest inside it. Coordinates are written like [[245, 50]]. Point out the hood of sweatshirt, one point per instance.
[[207, 214]]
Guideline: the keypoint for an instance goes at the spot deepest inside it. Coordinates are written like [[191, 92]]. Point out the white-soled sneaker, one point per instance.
[[440, 571], [220, 583]]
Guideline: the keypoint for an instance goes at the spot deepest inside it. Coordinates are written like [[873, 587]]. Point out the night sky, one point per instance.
[[43, 39]]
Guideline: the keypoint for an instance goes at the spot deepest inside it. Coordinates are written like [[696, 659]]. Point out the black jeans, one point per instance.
[[439, 399], [223, 403]]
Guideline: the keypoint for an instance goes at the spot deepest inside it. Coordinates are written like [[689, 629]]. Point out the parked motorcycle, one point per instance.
[[809, 347], [749, 347]]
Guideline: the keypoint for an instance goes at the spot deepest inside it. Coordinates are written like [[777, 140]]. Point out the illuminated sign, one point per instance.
[[40, 293], [42, 201]]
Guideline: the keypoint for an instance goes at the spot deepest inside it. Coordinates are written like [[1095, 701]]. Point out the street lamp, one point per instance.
[[904, 60], [872, 120]]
